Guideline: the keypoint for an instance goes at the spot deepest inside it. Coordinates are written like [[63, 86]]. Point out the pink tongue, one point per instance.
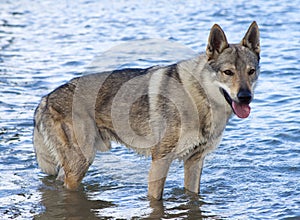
[[241, 110]]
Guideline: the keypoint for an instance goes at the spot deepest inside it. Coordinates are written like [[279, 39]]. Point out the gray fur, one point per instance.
[[173, 112]]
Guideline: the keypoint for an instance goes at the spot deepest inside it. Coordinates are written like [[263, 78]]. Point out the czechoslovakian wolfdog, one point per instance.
[[171, 112]]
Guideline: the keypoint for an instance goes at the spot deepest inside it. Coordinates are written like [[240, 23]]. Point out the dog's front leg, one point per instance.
[[192, 172], [157, 177]]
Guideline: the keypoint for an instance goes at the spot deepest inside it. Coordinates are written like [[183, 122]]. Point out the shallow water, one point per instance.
[[255, 172]]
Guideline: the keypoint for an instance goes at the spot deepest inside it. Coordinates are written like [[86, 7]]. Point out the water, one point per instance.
[[255, 172]]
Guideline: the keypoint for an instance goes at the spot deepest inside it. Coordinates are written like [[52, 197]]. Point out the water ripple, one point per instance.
[[255, 172]]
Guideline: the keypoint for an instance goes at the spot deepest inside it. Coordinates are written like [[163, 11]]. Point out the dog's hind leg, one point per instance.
[[75, 169], [157, 177], [192, 172], [57, 149], [73, 160]]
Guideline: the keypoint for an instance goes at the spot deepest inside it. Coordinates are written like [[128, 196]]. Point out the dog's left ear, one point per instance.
[[251, 39]]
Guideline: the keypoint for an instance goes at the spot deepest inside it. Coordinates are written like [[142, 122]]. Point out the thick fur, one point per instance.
[[173, 112]]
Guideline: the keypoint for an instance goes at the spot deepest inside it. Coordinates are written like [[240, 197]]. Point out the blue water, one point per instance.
[[255, 172]]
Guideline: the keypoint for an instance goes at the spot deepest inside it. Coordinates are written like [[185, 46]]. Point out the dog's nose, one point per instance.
[[244, 96]]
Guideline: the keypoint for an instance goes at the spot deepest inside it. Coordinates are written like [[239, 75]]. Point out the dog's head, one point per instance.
[[236, 67]]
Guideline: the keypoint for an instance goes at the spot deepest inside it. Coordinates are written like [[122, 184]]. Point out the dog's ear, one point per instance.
[[217, 42], [251, 39]]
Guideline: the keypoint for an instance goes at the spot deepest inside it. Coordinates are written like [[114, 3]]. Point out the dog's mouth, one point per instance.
[[240, 109]]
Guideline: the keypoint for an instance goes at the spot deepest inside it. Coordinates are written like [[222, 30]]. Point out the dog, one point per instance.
[[169, 112]]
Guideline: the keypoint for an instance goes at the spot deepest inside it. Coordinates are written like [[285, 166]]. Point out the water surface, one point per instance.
[[255, 172]]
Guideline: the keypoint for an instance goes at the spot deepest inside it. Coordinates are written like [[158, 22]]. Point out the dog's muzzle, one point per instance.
[[241, 107]]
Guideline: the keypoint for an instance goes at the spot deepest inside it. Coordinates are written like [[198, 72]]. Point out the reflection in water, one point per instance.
[[188, 208], [61, 203]]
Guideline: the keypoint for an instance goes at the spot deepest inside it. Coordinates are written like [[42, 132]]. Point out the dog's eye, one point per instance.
[[228, 72], [251, 72]]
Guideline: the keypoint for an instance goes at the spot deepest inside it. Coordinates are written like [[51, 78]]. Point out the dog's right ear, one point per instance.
[[217, 42]]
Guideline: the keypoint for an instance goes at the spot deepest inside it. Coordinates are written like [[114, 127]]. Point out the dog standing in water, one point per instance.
[[173, 112]]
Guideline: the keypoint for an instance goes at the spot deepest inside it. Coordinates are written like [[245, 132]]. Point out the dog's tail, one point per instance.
[[43, 124]]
